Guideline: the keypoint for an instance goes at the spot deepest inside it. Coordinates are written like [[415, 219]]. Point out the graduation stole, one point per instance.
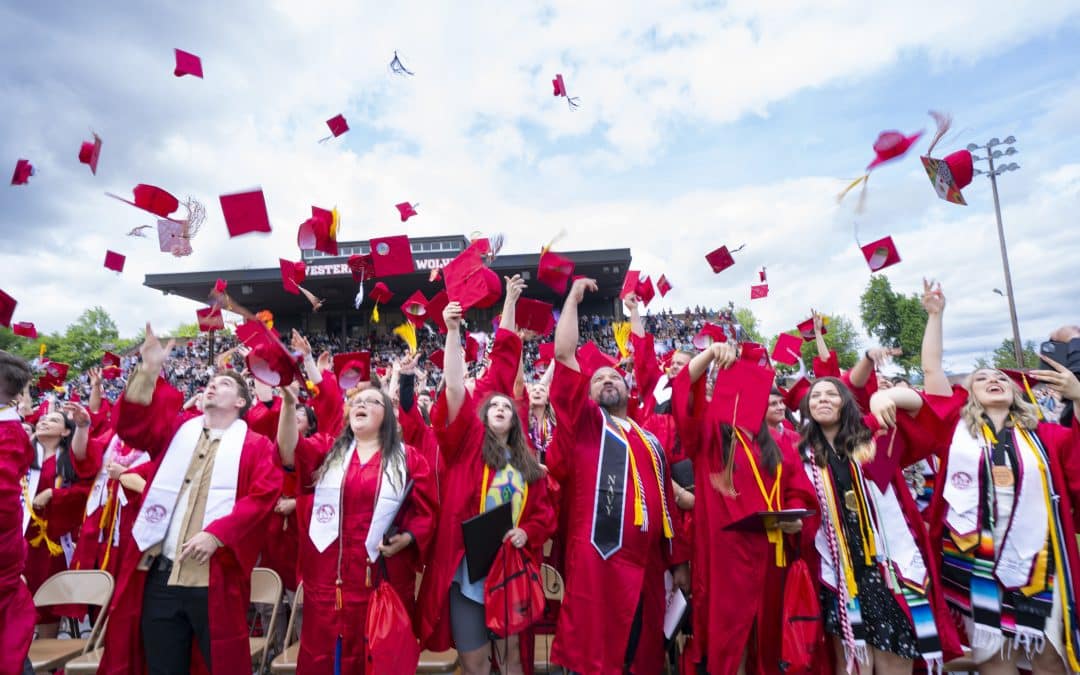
[[616, 462], [771, 497], [30, 484]]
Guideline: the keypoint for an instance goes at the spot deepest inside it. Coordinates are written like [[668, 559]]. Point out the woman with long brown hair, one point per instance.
[[488, 463]]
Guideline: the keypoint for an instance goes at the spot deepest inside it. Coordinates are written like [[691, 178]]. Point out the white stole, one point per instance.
[[662, 391], [157, 509], [325, 525], [33, 477], [1020, 545]]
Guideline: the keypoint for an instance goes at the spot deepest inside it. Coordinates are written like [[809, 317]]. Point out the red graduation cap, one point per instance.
[[469, 282], [1024, 383], [7, 308], [547, 353], [337, 125], [209, 318], [437, 358], [245, 212], [950, 175], [319, 232], [391, 256], [110, 364], [472, 349], [741, 394], [761, 275], [663, 285], [380, 293], [90, 152], [793, 397], [406, 210], [187, 64], [591, 359], [806, 328], [891, 145], [881, 254], [55, 374], [534, 315], [269, 361], [361, 267], [25, 329], [644, 290], [23, 170], [292, 275], [435, 307], [720, 259], [114, 261], [787, 349], [709, 334], [559, 87], [415, 309], [629, 284], [352, 368], [554, 271], [758, 291], [151, 198], [220, 285]]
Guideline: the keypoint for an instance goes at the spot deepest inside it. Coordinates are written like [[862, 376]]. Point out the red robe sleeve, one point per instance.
[[538, 519], [260, 482], [16, 455], [90, 465], [150, 427], [646, 371], [329, 405], [101, 421], [308, 457], [263, 419], [829, 367], [569, 396], [1066, 441], [416, 432], [464, 433], [501, 375], [420, 513], [688, 407]]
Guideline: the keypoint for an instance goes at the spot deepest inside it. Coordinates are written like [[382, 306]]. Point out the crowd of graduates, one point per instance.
[[837, 522]]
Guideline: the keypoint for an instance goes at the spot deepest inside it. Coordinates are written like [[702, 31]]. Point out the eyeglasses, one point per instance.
[[365, 402]]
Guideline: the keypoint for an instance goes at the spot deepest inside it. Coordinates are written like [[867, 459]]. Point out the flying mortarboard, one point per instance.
[[741, 393], [415, 308], [889, 145], [337, 125], [554, 271], [25, 329], [7, 308], [591, 359], [209, 318], [881, 254], [663, 285], [268, 359], [534, 315], [709, 334], [245, 212], [114, 261], [380, 294], [391, 256], [292, 275], [546, 352], [469, 282], [761, 275], [758, 291], [560, 90], [319, 232], [806, 328], [110, 366], [55, 374], [787, 349], [187, 64], [629, 284], [151, 198], [721, 258], [644, 290], [406, 210], [352, 368], [23, 170], [89, 153], [435, 307]]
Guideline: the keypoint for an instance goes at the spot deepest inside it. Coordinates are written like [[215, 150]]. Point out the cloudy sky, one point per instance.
[[701, 124]]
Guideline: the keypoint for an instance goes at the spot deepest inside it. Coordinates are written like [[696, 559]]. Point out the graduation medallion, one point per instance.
[[850, 501], [1003, 476]]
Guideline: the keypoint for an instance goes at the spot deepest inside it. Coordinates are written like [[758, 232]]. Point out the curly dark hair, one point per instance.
[[853, 433]]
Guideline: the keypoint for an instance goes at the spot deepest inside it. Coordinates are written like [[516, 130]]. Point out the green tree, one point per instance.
[[20, 346], [186, 330], [1004, 356], [895, 319], [745, 317], [841, 338], [84, 341]]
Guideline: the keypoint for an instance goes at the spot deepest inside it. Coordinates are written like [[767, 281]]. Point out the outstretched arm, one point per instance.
[[515, 285], [453, 362], [566, 331], [287, 433], [934, 380], [721, 352]]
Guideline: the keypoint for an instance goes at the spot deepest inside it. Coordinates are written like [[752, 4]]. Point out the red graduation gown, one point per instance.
[[322, 623], [460, 444], [153, 427], [602, 596], [16, 604], [737, 586]]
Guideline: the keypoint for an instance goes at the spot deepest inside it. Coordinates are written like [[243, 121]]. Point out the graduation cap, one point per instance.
[[741, 394], [245, 212], [171, 238], [406, 210], [319, 232], [7, 308], [352, 368], [469, 282], [889, 145], [787, 349], [591, 359], [292, 275], [209, 318], [644, 290], [793, 397], [337, 125], [268, 359], [663, 285], [391, 256], [437, 358], [25, 329], [534, 315], [90, 152], [881, 254], [806, 328], [954, 172], [55, 374], [435, 307], [151, 198], [554, 271], [397, 67], [380, 293], [758, 291], [110, 366], [546, 354], [472, 348], [629, 284], [560, 90], [709, 334], [415, 308], [761, 275], [187, 64], [114, 261], [23, 171], [721, 259]]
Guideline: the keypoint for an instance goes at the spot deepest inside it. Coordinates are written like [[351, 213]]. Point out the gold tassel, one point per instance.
[[407, 332], [621, 329]]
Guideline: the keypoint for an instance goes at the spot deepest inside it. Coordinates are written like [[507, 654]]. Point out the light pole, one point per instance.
[[993, 173]]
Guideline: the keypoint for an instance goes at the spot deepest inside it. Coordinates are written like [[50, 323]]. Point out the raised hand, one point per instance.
[[452, 316], [933, 300], [1060, 380], [153, 353], [95, 377], [299, 343], [515, 286], [77, 413], [577, 291]]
